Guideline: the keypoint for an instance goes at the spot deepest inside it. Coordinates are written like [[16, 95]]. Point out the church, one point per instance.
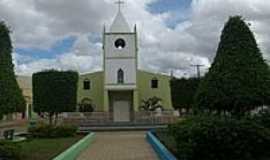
[[121, 87]]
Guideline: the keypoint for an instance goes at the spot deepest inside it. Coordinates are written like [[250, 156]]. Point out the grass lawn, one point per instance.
[[45, 149]]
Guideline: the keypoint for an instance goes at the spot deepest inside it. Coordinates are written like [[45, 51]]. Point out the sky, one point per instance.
[[173, 34]]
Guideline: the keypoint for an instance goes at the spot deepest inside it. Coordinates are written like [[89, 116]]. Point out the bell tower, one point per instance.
[[120, 54], [120, 68]]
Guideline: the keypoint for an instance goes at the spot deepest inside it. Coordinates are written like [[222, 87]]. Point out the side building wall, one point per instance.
[[163, 91], [25, 83], [96, 91]]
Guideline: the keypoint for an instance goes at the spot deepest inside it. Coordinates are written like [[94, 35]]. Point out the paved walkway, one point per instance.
[[119, 146]]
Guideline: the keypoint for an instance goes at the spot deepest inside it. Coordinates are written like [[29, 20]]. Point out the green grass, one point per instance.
[[45, 149]]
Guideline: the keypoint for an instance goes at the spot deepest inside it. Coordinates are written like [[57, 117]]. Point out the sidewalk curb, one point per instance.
[[73, 152], [161, 150]]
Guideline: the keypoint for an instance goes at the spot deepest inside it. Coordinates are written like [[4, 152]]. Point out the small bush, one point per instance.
[[49, 131], [220, 138], [9, 151], [263, 118], [151, 104], [86, 108], [64, 131]]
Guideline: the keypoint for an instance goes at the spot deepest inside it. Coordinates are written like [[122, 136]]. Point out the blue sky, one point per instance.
[[65, 45], [161, 6], [60, 47], [178, 8]]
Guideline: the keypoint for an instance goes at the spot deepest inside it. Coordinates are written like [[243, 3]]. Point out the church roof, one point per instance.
[[120, 24]]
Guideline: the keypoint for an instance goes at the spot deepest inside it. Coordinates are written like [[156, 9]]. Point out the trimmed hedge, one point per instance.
[[9, 151], [220, 138], [55, 92], [50, 131], [183, 91]]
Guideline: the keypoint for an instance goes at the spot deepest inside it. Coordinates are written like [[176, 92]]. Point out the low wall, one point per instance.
[[73, 152], [161, 150], [106, 118]]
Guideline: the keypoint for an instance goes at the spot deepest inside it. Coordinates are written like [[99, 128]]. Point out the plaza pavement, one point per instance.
[[119, 146]]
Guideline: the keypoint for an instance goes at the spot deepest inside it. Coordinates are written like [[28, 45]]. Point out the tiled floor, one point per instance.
[[119, 146]]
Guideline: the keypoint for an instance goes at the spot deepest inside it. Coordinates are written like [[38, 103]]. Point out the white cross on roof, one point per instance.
[[119, 3]]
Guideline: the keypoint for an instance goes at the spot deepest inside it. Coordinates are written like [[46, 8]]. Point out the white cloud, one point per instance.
[[40, 23], [84, 57], [209, 16], [68, 61]]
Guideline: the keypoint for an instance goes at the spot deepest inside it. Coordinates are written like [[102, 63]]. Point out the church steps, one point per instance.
[[86, 129]]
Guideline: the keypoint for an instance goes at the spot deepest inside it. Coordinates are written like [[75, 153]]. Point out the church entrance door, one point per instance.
[[121, 111], [121, 105]]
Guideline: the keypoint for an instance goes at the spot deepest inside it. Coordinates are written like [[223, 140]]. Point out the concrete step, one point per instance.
[[119, 128]]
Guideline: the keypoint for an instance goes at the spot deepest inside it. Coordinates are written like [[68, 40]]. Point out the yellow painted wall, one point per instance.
[[144, 90], [95, 93], [163, 91]]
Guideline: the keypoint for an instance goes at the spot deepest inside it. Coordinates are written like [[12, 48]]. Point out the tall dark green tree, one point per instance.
[[11, 97], [54, 92], [239, 78], [183, 91]]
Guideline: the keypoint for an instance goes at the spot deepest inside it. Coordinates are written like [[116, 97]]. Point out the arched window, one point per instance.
[[154, 83], [86, 84], [120, 76]]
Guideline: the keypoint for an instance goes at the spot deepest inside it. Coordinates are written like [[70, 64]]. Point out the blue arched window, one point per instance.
[[120, 76]]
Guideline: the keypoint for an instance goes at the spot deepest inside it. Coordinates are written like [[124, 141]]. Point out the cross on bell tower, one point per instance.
[[119, 3]]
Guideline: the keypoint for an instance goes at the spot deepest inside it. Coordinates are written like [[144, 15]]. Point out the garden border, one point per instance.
[[161, 150], [72, 152]]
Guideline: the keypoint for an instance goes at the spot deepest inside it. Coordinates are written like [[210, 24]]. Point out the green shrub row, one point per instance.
[[9, 151], [208, 137], [50, 131]]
